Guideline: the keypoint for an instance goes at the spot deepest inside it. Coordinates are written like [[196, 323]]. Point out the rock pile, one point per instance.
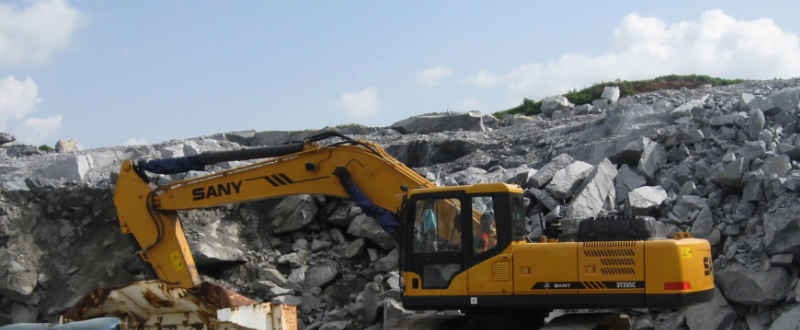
[[719, 162]]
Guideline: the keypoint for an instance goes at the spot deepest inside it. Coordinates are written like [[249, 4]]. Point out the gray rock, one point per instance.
[[722, 120], [319, 245], [610, 93], [18, 276], [389, 262], [243, 138], [440, 122], [217, 243], [713, 315], [545, 174], [286, 300], [685, 207], [703, 224], [774, 187], [776, 165], [566, 180], [6, 138], [72, 167], [642, 200], [685, 110], [684, 136], [789, 150], [786, 99], [393, 312], [321, 275], [732, 173], [366, 227], [751, 286], [782, 230], [343, 215], [788, 320], [294, 259], [743, 211], [629, 151], [600, 104], [754, 187], [553, 103], [653, 158], [298, 275], [276, 138], [627, 180], [273, 275], [781, 260], [521, 179], [335, 325], [371, 296], [67, 146], [753, 150], [755, 123], [310, 303], [292, 213], [278, 291], [355, 248], [337, 236], [595, 194], [544, 198], [22, 314]]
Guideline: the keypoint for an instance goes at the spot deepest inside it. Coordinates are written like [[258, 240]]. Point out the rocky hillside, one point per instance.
[[719, 162]]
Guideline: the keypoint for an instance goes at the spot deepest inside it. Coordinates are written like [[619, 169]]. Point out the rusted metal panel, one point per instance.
[[154, 305]]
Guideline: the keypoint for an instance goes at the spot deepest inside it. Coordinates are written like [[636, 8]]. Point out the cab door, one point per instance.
[[435, 263]]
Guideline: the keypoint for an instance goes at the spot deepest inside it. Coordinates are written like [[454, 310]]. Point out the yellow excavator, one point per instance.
[[461, 248]]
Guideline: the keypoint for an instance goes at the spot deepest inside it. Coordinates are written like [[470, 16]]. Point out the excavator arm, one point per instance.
[[149, 213]]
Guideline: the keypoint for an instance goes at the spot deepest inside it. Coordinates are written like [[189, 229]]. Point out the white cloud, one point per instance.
[[17, 99], [472, 104], [482, 78], [431, 77], [645, 47], [360, 104], [32, 34], [135, 142], [38, 130]]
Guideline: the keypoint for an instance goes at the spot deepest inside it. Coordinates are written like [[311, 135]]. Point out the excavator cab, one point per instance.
[[457, 243]]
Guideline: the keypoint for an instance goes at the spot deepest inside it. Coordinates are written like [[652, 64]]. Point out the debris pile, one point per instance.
[[719, 162]]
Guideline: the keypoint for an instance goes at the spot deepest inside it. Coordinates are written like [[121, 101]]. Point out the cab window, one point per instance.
[[485, 229], [437, 225]]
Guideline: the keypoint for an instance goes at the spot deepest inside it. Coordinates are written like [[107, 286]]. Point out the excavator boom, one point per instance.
[[150, 214]]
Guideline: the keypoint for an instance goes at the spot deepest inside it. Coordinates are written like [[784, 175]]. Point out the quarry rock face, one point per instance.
[[718, 162]]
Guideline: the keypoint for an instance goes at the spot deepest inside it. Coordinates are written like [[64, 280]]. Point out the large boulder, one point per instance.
[[6, 138], [18, 277], [782, 228], [566, 180], [713, 315], [555, 103], [752, 286], [610, 93], [440, 122], [593, 196], [642, 200], [653, 158], [627, 180], [789, 320], [71, 167], [216, 243], [366, 227], [321, 275], [292, 213], [545, 174]]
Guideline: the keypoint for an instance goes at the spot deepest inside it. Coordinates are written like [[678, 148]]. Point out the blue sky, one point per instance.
[[111, 72]]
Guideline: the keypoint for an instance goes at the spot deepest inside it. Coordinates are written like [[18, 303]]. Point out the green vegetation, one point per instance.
[[45, 147], [626, 88]]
